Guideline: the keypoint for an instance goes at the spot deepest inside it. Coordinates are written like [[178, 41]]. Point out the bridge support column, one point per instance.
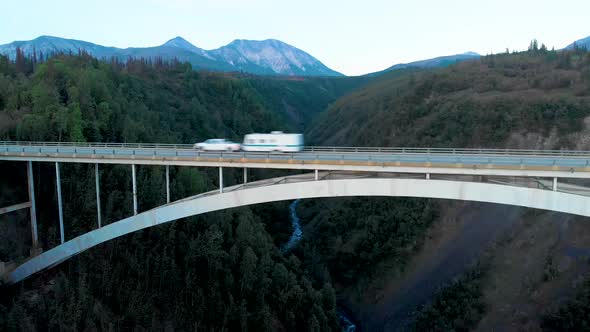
[[33, 206], [59, 206], [97, 179], [554, 184], [167, 184], [220, 179], [316, 175], [245, 175], [134, 189]]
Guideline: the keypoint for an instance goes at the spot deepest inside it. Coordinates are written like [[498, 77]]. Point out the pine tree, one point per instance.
[[20, 60], [543, 48]]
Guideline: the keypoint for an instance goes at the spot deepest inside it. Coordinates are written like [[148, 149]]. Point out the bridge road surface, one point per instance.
[[544, 163]]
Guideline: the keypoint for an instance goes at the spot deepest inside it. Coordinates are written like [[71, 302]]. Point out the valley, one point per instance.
[[394, 263]]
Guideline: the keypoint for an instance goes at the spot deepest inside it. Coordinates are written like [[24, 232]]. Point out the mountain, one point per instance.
[[179, 42], [271, 56], [584, 42], [266, 57], [49, 45], [441, 61]]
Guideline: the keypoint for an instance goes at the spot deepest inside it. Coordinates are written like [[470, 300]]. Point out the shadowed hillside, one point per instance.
[[499, 101], [538, 99], [299, 100]]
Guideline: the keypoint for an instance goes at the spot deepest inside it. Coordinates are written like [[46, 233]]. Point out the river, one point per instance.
[[343, 315], [297, 232]]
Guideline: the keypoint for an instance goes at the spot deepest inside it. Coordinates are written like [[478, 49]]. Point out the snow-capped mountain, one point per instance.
[[267, 57], [271, 56]]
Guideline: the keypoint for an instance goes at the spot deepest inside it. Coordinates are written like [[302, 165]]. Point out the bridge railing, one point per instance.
[[98, 145], [475, 151], [316, 149]]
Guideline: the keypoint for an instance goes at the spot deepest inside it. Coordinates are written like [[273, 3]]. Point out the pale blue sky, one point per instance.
[[353, 37]]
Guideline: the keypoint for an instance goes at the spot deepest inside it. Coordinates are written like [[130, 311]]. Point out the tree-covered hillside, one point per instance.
[[82, 99], [533, 99], [220, 272], [223, 271], [487, 103], [178, 105], [299, 100]]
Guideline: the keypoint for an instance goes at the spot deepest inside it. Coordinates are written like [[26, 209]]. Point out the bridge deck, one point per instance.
[[573, 164]]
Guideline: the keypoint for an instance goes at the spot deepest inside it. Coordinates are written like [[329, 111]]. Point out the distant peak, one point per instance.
[[45, 37], [264, 41], [178, 38], [180, 42], [471, 53]]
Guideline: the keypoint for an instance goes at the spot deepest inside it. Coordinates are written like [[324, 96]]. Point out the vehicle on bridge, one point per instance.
[[275, 141], [217, 144]]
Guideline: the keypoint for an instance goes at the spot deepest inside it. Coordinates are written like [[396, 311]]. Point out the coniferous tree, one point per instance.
[[20, 60]]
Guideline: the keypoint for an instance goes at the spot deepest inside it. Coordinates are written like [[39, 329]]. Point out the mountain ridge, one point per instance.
[[265, 57], [440, 61], [583, 42]]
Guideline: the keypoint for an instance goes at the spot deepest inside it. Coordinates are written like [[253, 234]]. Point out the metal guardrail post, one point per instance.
[[316, 176], [97, 179], [554, 184], [246, 174], [220, 179], [167, 183], [134, 189], [33, 210], [59, 206]]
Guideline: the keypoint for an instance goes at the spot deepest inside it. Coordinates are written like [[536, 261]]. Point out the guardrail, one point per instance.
[[98, 145], [472, 151], [337, 149]]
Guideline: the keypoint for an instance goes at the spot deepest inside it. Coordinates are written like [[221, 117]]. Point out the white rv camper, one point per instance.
[[275, 141]]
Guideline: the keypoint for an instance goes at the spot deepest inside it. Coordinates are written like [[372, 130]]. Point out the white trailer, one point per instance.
[[275, 141]]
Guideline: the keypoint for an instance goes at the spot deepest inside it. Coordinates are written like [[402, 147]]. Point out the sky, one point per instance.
[[352, 37]]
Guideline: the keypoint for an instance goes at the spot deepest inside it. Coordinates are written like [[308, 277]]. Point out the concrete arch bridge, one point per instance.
[[550, 180]]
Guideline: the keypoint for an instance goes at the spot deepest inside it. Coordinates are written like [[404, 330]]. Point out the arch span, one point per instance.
[[394, 187]]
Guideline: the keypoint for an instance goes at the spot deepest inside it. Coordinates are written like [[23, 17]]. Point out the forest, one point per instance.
[[219, 272], [224, 271], [477, 103], [537, 99]]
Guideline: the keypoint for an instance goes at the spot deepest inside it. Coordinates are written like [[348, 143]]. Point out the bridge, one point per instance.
[[550, 180]]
